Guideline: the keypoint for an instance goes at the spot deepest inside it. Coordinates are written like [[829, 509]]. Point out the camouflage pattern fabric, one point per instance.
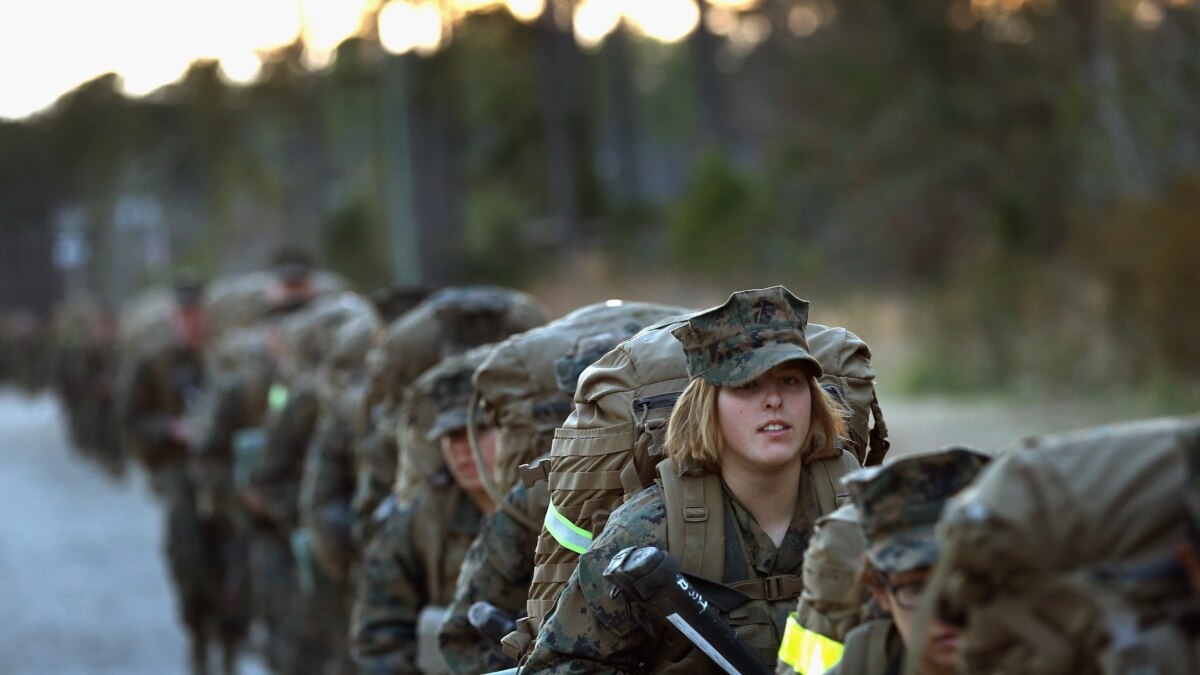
[[899, 504], [591, 631], [498, 569], [398, 572], [754, 331], [157, 387]]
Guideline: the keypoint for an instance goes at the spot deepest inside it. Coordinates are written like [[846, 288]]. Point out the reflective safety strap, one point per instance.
[[277, 397], [808, 652], [571, 536]]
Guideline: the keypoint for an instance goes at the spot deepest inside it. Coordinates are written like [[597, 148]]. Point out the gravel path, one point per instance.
[[82, 581]]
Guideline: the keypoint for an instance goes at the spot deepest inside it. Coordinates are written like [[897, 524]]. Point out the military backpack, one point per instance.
[[612, 446]]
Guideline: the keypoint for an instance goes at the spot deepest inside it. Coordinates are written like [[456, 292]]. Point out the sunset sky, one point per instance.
[[48, 48]]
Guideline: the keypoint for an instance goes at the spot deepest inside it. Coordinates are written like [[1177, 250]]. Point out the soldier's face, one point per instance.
[[901, 598], [456, 451], [191, 324], [765, 423]]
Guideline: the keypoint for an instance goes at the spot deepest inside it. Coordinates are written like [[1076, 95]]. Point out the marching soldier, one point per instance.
[[159, 387]]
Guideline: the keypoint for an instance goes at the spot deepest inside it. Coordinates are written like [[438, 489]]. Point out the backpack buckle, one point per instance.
[[530, 474], [783, 587], [695, 514]]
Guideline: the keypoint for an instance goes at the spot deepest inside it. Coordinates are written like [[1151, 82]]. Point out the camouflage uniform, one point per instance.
[[589, 629], [899, 504], [498, 569], [613, 638], [285, 580], [159, 387], [85, 375], [327, 483], [236, 411], [414, 559]]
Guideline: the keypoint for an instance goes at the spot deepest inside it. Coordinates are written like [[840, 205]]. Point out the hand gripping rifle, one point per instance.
[[652, 577]]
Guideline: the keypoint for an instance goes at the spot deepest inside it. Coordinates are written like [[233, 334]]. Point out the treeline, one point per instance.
[[1027, 173]]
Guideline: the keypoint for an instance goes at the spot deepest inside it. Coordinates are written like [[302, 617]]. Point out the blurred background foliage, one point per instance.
[[1011, 187]]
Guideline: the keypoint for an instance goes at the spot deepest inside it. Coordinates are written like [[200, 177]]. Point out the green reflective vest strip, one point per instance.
[[568, 534], [277, 396], [806, 651]]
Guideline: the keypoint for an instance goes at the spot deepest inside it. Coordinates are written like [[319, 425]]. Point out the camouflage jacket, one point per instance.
[[498, 569], [872, 648], [239, 403], [325, 492], [278, 480], [157, 388], [412, 562], [590, 631], [375, 462]]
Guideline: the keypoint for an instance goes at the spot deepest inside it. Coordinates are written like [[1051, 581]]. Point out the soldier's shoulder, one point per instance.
[[644, 516]]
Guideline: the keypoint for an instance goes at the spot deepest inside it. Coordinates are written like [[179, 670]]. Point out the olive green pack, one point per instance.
[[1060, 557], [612, 445]]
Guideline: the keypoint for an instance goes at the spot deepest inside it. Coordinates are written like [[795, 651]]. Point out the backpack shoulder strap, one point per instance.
[[827, 480], [695, 520]]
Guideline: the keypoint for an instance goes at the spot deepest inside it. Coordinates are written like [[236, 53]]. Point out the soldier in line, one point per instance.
[[754, 419], [899, 505], [84, 367], [282, 562], [232, 424], [444, 324], [1064, 556], [410, 566], [327, 482], [499, 565], [159, 386]]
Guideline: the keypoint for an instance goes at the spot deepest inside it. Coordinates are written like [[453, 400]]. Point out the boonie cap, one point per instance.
[[754, 331]]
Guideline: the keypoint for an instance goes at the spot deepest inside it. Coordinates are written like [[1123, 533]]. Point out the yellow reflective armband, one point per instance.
[[806, 651]]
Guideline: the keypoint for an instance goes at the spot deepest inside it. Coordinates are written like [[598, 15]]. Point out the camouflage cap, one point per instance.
[[754, 331], [188, 291], [290, 263], [451, 390], [900, 503]]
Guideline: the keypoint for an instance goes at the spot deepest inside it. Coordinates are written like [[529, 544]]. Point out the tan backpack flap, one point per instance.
[[846, 361], [833, 597], [1099, 494], [1018, 545]]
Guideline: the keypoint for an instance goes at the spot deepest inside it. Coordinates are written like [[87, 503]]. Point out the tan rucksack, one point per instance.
[[611, 447], [1059, 558], [519, 383], [448, 322]]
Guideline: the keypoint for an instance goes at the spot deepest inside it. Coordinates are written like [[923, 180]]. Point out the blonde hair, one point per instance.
[[694, 431]]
